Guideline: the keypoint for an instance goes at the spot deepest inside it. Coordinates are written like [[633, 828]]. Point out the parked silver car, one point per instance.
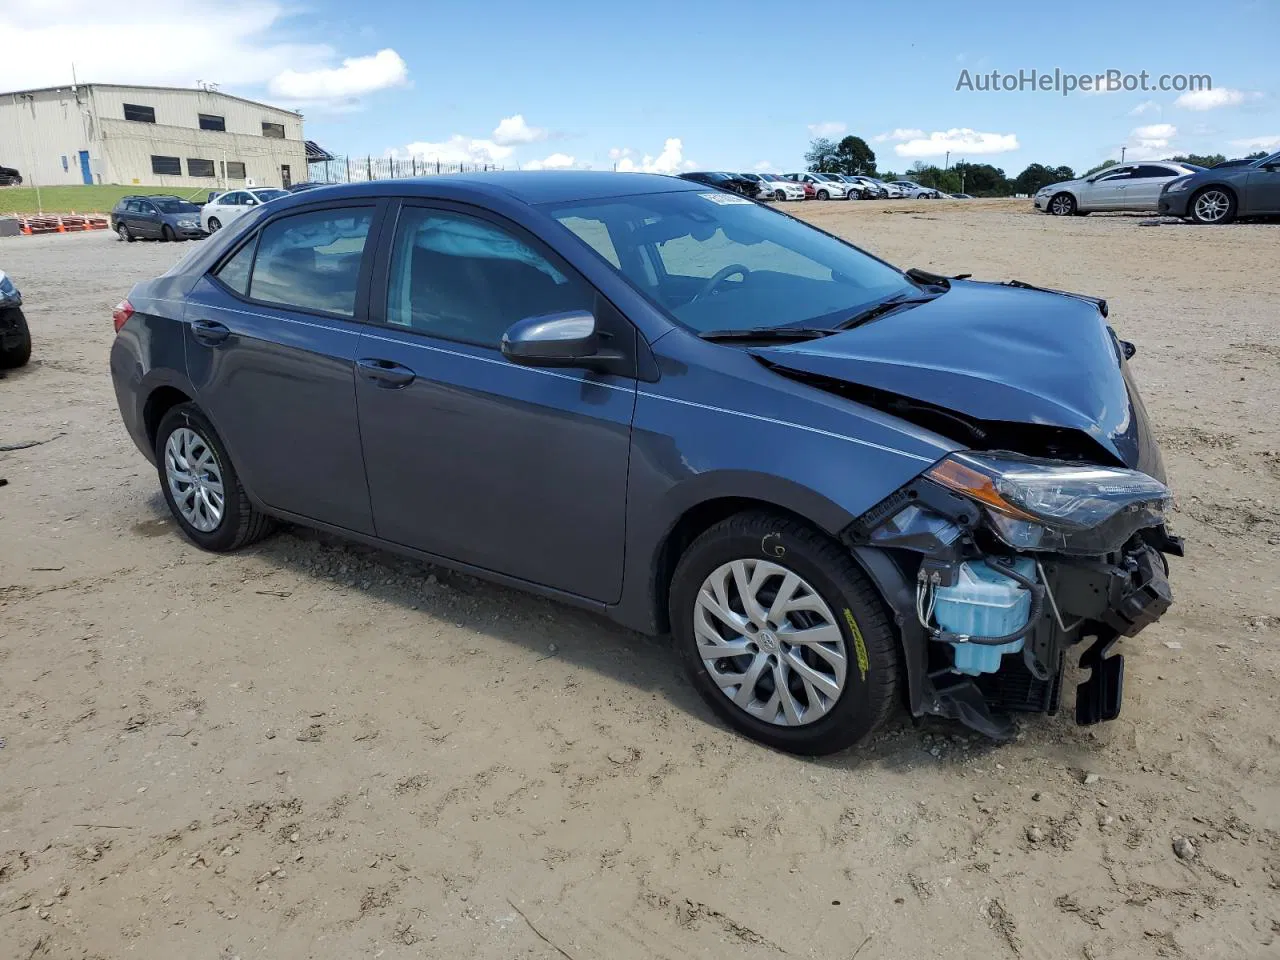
[[1125, 186], [914, 191]]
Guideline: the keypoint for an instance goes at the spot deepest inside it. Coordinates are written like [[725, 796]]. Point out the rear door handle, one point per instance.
[[209, 331], [385, 373]]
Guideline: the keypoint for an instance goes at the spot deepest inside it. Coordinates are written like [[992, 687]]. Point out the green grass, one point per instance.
[[22, 200]]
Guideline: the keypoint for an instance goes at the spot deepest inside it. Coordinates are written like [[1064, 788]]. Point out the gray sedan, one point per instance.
[[1221, 194], [1125, 186]]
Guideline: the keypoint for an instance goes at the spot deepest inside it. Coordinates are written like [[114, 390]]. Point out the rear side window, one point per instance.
[[311, 261], [461, 278], [235, 272]]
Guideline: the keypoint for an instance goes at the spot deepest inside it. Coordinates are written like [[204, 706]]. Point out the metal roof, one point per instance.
[[139, 86]]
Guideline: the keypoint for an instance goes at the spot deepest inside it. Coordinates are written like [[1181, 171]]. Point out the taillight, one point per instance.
[[121, 314]]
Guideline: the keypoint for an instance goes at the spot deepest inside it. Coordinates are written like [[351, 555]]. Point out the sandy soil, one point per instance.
[[312, 750]]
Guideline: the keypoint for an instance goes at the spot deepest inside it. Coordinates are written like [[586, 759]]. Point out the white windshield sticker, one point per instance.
[[724, 198]]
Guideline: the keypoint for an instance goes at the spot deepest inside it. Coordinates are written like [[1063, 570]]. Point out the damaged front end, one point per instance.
[[997, 563]]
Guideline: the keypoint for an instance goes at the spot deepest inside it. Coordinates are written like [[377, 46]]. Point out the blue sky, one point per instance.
[[665, 85]]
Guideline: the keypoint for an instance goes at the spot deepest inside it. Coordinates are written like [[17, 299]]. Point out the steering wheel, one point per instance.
[[721, 275]]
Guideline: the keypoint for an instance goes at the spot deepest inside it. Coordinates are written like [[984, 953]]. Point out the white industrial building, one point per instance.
[[157, 136]]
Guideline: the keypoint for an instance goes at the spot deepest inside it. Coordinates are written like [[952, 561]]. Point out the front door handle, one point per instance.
[[209, 331], [385, 373]]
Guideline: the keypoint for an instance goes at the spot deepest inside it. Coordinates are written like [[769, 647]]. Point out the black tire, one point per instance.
[[241, 523], [124, 232], [871, 649], [214, 224], [15, 356], [1062, 205], [167, 233], [824, 195], [1229, 214], [779, 195]]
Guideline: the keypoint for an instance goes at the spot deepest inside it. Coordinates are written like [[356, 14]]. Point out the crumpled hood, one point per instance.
[[996, 353]]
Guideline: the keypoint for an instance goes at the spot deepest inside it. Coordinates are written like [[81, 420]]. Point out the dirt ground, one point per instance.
[[313, 750]]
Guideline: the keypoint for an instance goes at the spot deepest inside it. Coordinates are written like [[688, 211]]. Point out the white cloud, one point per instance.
[[1146, 106], [1156, 131], [670, 160], [827, 128], [899, 134], [764, 166], [356, 77], [457, 149], [1213, 99], [513, 129], [959, 140], [1257, 143], [178, 43], [557, 161]]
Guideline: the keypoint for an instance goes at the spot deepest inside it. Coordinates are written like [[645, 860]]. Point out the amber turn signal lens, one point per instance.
[[975, 485]]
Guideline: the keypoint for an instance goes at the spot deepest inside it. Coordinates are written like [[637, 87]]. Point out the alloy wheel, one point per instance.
[[195, 479], [214, 224], [1212, 206], [1061, 205], [770, 642], [123, 232]]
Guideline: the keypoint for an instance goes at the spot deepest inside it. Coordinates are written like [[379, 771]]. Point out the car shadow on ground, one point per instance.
[[553, 630]]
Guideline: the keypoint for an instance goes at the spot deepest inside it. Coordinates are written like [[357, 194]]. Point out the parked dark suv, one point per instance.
[[156, 217], [725, 181], [837, 484], [10, 177]]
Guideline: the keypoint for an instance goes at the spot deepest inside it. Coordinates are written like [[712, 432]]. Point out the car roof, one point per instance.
[[531, 187]]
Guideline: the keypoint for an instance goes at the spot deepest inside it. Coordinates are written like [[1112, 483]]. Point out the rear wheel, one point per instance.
[[200, 483], [1062, 205], [783, 635], [1213, 205], [15, 339], [214, 224]]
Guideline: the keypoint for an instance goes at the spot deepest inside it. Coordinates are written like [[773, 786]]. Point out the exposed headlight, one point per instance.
[[188, 224], [1056, 506], [1177, 186]]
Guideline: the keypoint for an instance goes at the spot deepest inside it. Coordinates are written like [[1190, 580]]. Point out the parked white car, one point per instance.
[[1125, 186], [225, 207], [775, 187], [826, 186], [914, 191]]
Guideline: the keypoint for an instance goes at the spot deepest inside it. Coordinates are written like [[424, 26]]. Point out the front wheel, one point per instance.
[[123, 232], [168, 234], [783, 635], [779, 195], [824, 195], [1213, 205], [1062, 205], [15, 339], [201, 485], [214, 224]]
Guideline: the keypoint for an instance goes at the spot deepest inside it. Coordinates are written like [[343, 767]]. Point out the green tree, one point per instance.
[[854, 156], [983, 180], [1201, 159], [821, 156], [1037, 175], [1102, 166], [1258, 155]]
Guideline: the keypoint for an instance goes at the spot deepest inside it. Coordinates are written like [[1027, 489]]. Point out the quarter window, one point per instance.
[[199, 168], [209, 121], [139, 113], [311, 261], [462, 278], [273, 130], [235, 272], [166, 166]]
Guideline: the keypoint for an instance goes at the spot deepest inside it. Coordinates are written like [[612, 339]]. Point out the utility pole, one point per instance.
[[1122, 150], [947, 164]]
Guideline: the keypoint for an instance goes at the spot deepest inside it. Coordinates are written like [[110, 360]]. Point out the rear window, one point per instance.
[[311, 261]]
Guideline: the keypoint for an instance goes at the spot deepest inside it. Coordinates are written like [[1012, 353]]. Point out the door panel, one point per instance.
[[519, 470], [1262, 192], [1106, 193], [278, 382], [1142, 190]]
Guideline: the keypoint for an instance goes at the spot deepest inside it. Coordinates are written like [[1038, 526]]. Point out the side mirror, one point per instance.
[[553, 340], [251, 202]]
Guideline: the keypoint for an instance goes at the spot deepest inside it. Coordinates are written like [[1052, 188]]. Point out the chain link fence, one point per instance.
[[360, 169]]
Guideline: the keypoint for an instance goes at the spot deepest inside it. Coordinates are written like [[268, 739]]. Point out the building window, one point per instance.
[[168, 166], [273, 130], [233, 170], [133, 111], [199, 168], [209, 121]]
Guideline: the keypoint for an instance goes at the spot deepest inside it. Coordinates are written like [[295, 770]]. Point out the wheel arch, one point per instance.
[[160, 401]]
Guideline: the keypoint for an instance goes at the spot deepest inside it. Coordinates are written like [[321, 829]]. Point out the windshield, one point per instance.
[[176, 206], [716, 262], [265, 195]]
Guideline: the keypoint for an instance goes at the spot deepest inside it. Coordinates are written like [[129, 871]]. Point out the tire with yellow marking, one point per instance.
[[870, 647]]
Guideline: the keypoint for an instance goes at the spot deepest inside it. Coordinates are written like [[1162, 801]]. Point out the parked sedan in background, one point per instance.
[[857, 190], [913, 191], [725, 181], [1221, 194], [774, 187], [826, 186], [10, 177], [156, 217], [1124, 186], [224, 208], [872, 189]]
